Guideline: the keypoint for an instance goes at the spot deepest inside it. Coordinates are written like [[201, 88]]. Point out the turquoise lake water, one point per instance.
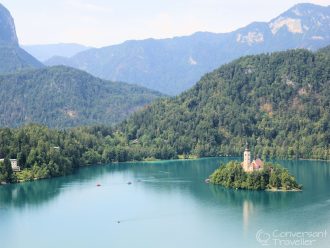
[[167, 205]]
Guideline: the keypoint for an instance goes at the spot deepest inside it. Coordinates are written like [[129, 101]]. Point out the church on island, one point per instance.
[[249, 166]]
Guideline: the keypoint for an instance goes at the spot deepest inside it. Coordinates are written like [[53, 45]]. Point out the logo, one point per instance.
[[289, 238], [263, 237]]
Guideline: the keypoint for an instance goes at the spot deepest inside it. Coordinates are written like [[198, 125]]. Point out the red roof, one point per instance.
[[257, 164]]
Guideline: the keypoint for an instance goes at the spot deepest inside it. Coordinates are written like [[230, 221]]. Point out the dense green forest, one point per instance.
[[44, 152], [279, 103], [272, 177], [65, 97]]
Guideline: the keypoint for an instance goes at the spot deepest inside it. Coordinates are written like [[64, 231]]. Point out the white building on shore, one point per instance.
[[14, 164]]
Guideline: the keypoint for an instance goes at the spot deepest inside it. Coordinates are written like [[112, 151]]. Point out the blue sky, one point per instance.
[[105, 22]]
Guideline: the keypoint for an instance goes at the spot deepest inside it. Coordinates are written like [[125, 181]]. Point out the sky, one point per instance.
[[105, 22]]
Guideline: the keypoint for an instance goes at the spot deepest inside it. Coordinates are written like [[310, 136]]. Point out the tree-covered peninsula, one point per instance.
[[272, 177]]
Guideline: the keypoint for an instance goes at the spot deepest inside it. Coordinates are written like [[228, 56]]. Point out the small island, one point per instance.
[[255, 175]]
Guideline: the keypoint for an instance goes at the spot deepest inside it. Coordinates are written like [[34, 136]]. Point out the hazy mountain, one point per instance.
[[45, 52], [173, 65], [7, 27], [66, 97], [12, 57], [280, 103]]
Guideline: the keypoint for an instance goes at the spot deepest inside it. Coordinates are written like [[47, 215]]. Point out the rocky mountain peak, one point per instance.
[[7, 27], [301, 18]]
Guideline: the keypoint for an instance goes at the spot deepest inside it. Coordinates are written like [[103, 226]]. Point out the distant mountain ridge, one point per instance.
[[65, 97], [174, 65], [12, 57], [48, 51]]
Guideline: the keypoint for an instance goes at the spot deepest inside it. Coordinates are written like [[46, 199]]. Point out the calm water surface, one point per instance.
[[167, 205]]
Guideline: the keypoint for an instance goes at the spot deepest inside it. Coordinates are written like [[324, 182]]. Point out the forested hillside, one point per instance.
[[43, 152], [66, 97], [280, 103]]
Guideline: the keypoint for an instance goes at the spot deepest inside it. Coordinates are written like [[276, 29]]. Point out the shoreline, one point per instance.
[[283, 190], [180, 158]]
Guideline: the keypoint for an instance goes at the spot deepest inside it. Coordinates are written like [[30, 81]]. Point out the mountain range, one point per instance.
[[13, 58], [174, 65], [47, 51], [61, 97]]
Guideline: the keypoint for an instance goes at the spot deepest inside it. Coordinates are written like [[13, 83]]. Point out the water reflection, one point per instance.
[[248, 210]]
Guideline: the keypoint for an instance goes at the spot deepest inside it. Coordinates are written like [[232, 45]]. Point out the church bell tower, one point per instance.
[[247, 157]]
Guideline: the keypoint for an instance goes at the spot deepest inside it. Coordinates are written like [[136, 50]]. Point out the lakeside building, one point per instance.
[[14, 164]]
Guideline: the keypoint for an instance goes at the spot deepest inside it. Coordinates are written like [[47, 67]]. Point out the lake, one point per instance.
[[167, 205]]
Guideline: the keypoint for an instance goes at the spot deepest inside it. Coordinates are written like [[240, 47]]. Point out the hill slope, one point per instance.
[[174, 65], [66, 97], [12, 57], [280, 103]]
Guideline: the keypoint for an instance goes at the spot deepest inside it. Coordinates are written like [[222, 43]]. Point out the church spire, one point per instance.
[[247, 146], [247, 159]]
